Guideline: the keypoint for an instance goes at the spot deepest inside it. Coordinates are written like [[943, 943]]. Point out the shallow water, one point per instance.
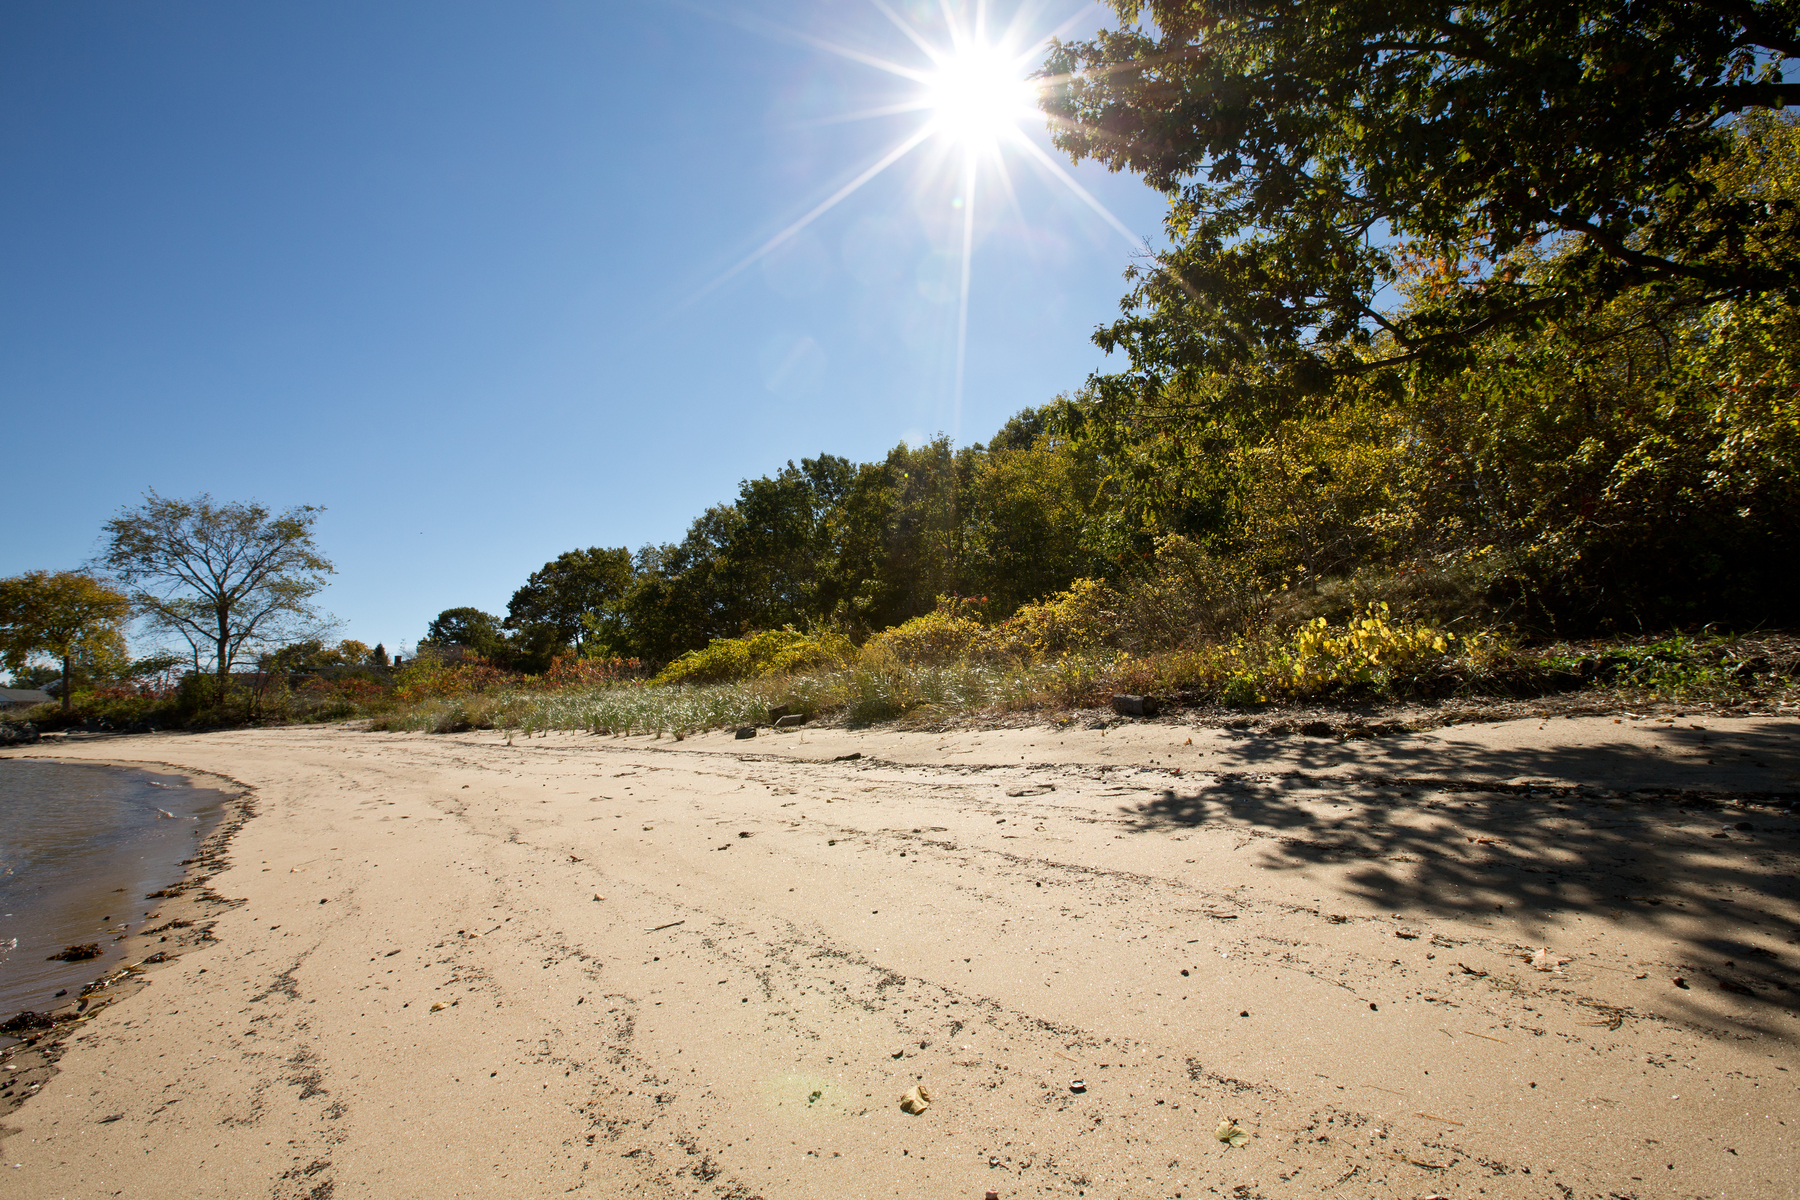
[[80, 846]]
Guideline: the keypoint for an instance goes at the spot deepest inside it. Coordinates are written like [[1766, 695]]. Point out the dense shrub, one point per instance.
[[772, 652], [950, 632]]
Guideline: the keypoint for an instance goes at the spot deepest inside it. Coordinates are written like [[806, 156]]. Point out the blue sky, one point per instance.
[[453, 271]]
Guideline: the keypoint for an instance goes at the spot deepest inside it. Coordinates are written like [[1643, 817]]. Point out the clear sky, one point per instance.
[[472, 275]]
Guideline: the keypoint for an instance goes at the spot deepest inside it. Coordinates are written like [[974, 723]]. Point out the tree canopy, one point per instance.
[[573, 585], [1361, 183], [225, 577], [472, 629], [65, 615]]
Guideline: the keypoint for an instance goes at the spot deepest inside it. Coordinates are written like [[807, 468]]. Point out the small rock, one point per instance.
[[1134, 706], [916, 1100], [748, 731], [438, 1006]]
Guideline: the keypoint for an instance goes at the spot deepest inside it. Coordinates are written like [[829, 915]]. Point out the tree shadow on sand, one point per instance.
[[1437, 832]]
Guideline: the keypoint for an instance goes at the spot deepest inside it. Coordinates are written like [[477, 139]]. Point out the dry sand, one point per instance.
[[1437, 964]]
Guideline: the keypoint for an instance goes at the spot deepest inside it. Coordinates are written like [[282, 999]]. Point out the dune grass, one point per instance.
[[861, 694], [1376, 660]]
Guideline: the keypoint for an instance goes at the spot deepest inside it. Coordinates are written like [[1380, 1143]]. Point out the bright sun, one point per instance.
[[975, 96], [978, 95]]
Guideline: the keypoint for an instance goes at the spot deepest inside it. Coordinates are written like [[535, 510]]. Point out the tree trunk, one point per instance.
[[224, 662], [67, 677]]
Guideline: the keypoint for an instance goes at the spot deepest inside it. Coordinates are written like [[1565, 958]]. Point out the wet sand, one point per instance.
[[1442, 963]]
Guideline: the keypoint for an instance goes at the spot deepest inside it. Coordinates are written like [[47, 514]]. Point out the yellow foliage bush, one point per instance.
[[1083, 618], [772, 652], [953, 630], [1368, 651]]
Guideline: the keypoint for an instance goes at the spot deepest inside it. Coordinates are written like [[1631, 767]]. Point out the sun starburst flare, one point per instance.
[[976, 96]]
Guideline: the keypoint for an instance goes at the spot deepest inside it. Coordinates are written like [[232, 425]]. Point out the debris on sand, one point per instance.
[[1229, 1133], [1545, 960], [76, 953], [27, 1021], [916, 1100]]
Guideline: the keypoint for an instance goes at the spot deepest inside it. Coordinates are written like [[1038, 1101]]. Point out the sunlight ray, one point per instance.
[[917, 104], [1044, 41], [781, 32], [904, 26], [962, 310], [1006, 185], [883, 163], [958, 37], [869, 60], [1087, 197], [1023, 15]]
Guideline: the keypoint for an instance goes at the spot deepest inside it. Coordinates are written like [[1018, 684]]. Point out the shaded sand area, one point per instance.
[[1430, 964]]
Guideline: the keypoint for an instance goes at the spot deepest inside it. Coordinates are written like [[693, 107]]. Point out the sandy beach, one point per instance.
[[1537, 958]]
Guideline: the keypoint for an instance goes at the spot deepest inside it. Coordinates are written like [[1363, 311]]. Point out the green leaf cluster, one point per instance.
[[1320, 154]]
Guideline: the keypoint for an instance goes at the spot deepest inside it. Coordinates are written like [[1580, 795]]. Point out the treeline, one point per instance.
[[856, 547]]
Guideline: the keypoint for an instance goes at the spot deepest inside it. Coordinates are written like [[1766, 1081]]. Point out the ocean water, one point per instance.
[[80, 846]]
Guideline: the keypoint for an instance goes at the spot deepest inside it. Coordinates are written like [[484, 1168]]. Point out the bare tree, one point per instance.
[[225, 577]]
